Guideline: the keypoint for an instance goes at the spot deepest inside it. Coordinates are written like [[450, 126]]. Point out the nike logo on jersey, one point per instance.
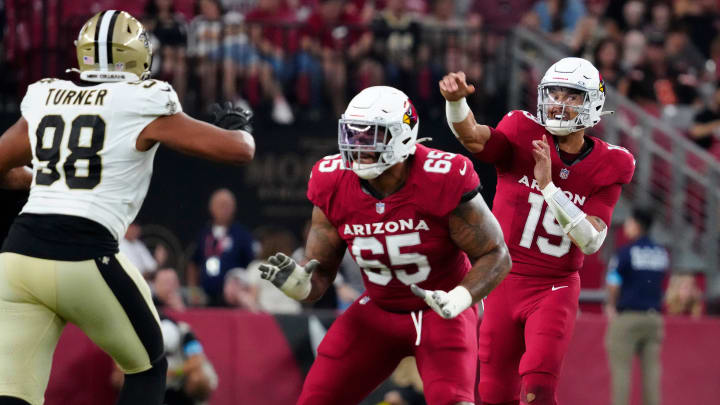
[[462, 171], [557, 288], [166, 89]]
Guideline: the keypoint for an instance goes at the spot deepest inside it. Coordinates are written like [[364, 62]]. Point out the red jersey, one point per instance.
[[536, 242], [403, 238]]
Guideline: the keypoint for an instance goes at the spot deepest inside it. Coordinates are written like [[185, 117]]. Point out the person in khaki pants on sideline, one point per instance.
[[634, 284]]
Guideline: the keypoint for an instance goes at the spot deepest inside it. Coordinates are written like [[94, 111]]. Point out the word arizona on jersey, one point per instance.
[[403, 238], [593, 182]]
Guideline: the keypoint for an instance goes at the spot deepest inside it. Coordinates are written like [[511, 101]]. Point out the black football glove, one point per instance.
[[231, 117]]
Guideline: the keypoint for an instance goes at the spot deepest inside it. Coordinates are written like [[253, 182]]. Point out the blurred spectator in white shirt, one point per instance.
[[238, 291], [270, 298], [136, 251]]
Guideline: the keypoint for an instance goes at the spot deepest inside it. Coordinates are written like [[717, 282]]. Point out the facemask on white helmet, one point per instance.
[[571, 96], [378, 130]]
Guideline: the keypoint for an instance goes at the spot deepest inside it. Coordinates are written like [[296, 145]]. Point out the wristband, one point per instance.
[[456, 111]]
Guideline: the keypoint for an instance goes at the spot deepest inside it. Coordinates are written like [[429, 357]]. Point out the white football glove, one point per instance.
[[288, 276], [446, 304]]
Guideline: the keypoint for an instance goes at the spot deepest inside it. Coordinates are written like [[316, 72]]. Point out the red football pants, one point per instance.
[[526, 329], [366, 343]]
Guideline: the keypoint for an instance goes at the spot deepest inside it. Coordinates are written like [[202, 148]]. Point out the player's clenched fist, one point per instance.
[[447, 304], [454, 87], [288, 276]]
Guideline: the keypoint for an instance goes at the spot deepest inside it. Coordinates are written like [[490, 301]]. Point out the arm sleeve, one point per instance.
[[499, 148], [458, 185], [27, 102], [470, 182], [155, 97], [323, 179], [143, 102], [602, 202]]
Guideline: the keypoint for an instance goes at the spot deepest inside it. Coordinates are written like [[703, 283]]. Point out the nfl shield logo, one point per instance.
[[564, 173], [380, 207]]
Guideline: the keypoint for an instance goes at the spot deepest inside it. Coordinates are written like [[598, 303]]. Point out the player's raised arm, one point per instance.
[[15, 152], [228, 141], [324, 247], [586, 231], [461, 120]]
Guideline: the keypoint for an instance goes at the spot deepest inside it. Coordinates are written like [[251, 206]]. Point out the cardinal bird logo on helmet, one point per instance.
[[602, 85], [410, 116]]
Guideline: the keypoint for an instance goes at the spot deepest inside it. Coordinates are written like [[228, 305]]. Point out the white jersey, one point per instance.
[[83, 143]]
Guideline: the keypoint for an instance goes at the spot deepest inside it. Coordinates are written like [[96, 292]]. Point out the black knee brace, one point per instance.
[[146, 388]]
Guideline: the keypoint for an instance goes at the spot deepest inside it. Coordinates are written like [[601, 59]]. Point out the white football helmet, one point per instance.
[[378, 129], [578, 77]]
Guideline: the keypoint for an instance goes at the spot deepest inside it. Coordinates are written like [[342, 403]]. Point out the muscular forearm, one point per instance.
[[471, 135], [487, 272], [19, 178], [320, 282]]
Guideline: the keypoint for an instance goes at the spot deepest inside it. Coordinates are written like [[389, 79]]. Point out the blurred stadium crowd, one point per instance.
[[300, 60]]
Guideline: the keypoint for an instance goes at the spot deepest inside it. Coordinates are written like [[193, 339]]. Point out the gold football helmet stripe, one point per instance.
[[114, 41]]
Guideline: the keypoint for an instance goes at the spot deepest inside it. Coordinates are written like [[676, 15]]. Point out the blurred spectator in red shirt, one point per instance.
[[243, 63], [331, 39], [273, 30]]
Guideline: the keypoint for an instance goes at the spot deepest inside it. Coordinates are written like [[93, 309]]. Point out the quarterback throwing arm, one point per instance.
[[586, 231]]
